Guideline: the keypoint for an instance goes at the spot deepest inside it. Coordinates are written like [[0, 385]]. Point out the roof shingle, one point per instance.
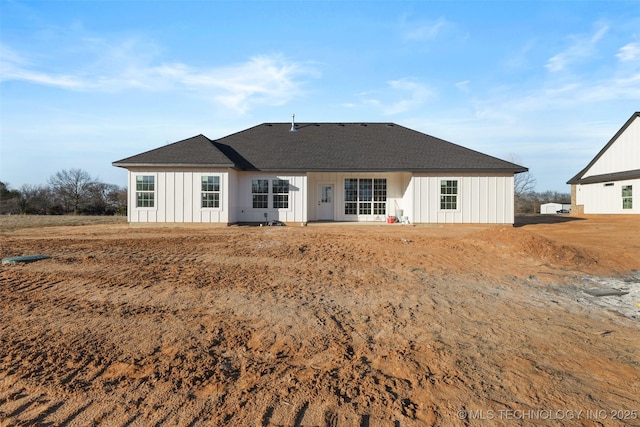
[[325, 147]]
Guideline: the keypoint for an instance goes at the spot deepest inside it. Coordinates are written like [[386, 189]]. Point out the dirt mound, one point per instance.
[[519, 243]]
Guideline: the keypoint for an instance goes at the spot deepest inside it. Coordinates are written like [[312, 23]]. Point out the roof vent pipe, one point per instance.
[[293, 123]]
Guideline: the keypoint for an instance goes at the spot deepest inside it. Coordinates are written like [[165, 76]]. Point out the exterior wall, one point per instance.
[[482, 198], [606, 197], [576, 209], [622, 155], [297, 211], [178, 197], [396, 188]]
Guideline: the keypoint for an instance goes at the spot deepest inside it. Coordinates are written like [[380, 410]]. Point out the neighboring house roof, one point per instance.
[[326, 147], [632, 174]]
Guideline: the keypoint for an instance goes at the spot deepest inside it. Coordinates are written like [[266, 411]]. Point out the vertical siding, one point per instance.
[[599, 198], [481, 199], [296, 212], [622, 155], [178, 197]]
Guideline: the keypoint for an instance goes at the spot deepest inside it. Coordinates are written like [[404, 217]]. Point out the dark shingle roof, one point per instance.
[[332, 147], [196, 151], [578, 178]]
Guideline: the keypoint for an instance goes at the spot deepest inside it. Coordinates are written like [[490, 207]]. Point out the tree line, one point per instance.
[[71, 191]]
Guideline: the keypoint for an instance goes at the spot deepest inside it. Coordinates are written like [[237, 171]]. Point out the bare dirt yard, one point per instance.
[[325, 325]]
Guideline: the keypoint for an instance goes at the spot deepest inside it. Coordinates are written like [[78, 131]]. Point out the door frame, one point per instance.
[[332, 212]]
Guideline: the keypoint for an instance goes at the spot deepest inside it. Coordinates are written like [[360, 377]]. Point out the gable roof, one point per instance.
[[345, 147], [633, 174]]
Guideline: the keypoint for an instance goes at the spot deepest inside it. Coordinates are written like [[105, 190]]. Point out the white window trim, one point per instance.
[[135, 191], [270, 193], [458, 194], [358, 215], [220, 192]]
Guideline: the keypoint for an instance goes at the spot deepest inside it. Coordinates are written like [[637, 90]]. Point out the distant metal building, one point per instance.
[[554, 208], [606, 185]]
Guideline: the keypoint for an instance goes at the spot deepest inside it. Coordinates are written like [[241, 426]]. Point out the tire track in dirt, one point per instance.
[[249, 326]]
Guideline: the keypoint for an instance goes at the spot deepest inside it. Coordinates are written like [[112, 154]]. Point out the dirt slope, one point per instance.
[[326, 325]]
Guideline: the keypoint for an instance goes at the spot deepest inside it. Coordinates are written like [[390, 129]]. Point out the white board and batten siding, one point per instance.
[[178, 197], [606, 197], [296, 212], [622, 155], [487, 199]]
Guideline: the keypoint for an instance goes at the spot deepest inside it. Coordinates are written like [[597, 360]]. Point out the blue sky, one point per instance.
[[85, 83]]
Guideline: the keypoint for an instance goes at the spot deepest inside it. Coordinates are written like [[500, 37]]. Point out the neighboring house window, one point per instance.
[[145, 191], [280, 190], [627, 201], [260, 193], [365, 196], [210, 191], [448, 194]]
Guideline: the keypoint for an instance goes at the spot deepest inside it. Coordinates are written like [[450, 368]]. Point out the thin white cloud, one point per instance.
[[423, 31], [629, 52], [413, 94], [463, 86], [581, 48], [399, 96], [266, 79]]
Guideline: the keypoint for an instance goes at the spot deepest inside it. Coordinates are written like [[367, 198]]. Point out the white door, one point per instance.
[[325, 204]]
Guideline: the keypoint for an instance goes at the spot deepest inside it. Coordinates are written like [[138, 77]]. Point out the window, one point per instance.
[[350, 196], [280, 190], [379, 196], [260, 192], [448, 194], [145, 191], [627, 201], [210, 191], [279, 194], [365, 196]]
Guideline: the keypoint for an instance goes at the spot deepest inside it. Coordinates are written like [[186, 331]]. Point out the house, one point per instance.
[[606, 184], [555, 208], [303, 172]]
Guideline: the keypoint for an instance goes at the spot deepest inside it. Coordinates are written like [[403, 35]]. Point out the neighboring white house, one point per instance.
[[554, 208], [319, 172], [606, 185]]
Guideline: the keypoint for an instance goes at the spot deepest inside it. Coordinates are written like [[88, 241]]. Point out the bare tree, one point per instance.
[[8, 199], [524, 185], [72, 188], [106, 199], [34, 199]]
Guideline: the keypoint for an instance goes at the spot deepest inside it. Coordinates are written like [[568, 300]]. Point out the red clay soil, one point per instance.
[[325, 325]]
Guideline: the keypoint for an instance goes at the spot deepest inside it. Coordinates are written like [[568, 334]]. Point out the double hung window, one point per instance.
[[627, 199], [260, 193], [449, 195], [210, 191], [278, 190], [145, 191]]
